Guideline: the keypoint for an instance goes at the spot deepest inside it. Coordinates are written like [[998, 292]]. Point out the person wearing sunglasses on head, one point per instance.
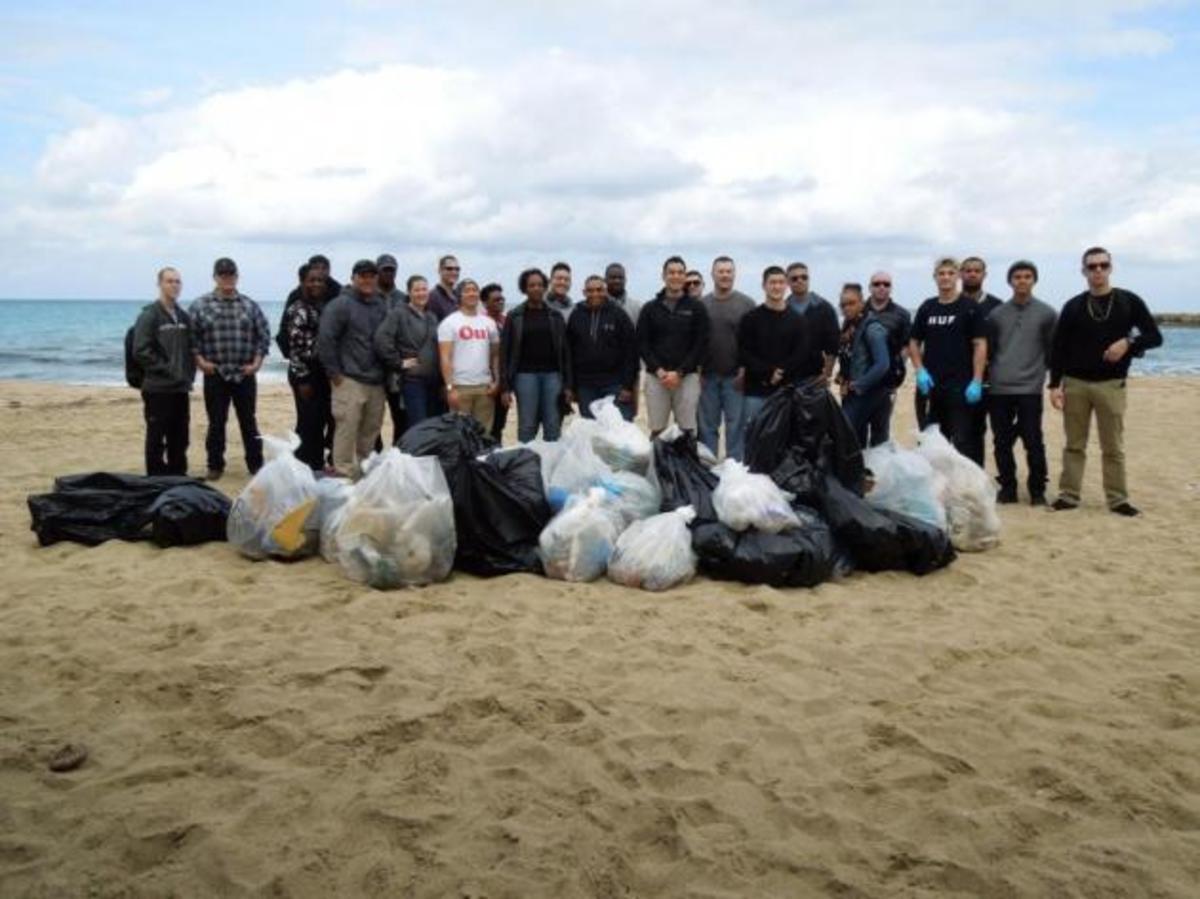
[[824, 333], [897, 321], [1099, 333]]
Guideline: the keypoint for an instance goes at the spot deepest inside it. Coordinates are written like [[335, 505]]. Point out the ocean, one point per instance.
[[82, 342]]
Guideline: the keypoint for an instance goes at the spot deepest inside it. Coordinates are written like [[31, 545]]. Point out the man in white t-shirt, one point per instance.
[[469, 351]]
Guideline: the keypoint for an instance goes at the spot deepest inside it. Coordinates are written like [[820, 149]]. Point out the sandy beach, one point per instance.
[[1025, 723]]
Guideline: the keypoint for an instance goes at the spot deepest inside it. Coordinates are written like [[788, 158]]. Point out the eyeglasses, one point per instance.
[[695, 283], [798, 277], [451, 268], [1099, 266], [881, 283]]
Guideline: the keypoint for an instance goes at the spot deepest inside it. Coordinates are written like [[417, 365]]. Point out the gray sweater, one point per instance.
[[345, 342], [1019, 340]]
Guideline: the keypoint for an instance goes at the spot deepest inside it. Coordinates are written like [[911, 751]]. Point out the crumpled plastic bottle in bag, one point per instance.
[[905, 482], [745, 500], [970, 497], [619, 443], [655, 553], [578, 542], [397, 528], [276, 514]]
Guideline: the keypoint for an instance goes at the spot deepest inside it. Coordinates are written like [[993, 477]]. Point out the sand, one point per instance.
[[1025, 723]]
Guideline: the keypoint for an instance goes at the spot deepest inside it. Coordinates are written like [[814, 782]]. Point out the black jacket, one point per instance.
[[673, 340], [510, 345], [603, 347], [163, 349]]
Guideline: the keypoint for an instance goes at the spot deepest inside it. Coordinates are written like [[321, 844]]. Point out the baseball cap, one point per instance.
[[386, 260], [365, 267], [225, 266]]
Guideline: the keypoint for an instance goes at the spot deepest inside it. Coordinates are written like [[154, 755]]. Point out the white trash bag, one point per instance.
[[578, 542], [548, 451], [276, 514], [655, 553], [633, 496], [397, 528], [745, 500], [332, 496], [578, 467], [906, 482], [970, 496], [620, 443]]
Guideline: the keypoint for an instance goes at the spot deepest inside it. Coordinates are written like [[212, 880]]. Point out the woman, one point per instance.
[[310, 385], [864, 365], [407, 344], [535, 360]]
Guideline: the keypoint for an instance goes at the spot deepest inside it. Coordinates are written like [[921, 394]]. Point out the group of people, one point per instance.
[[707, 360]]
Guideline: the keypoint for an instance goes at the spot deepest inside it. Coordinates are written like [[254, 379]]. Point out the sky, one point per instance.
[[853, 135]]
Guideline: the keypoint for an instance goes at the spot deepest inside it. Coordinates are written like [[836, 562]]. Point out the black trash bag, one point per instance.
[[683, 479], [879, 540], [796, 557], [500, 509], [806, 419], [799, 477], [92, 508], [453, 438], [189, 515]]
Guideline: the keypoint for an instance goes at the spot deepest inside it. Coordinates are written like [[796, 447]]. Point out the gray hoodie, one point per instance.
[[345, 342], [1019, 340]]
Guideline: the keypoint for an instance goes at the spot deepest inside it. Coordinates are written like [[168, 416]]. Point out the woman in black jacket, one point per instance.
[[407, 344], [535, 360]]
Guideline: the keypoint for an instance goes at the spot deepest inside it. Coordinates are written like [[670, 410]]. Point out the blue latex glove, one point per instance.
[[924, 382], [973, 393]]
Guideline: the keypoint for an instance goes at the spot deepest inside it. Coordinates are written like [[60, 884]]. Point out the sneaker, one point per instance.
[[214, 474], [1006, 497], [1126, 509], [1037, 499], [1063, 505]]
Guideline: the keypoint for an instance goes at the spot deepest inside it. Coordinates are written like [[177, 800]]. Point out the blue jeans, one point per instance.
[[588, 395], [719, 397], [537, 404], [751, 406], [420, 395], [869, 415]]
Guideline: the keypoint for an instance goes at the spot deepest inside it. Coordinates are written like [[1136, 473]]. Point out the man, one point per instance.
[[492, 296], [602, 346], [694, 284], [898, 323], [948, 348], [469, 354], [558, 297], [162, 347], [443, 299], [1020, 334], [864, 366], [308, 380], [346, 348], [387, 265], [672, 336], [823, 330], [1099, 333], [614, 280], [973, 271], [721, 380], [316, 265], [230, 339], [773, 343]]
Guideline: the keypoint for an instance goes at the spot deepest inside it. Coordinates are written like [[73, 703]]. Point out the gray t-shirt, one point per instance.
[[723, 318], [1019, 339]]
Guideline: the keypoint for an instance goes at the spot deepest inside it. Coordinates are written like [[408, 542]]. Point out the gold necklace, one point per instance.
[[1094, 312]]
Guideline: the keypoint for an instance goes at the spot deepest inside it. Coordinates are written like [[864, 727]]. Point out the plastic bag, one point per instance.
[[549, 451], [332, 496], [970, 495], [743, 500], [578, 542], [397, 528], [453, 438], [656, 553], [802, 556], [619, 443], [500, 510], [632, 495], [276, 514], [806, 419], [578, 466], [905, 482], [188, 515], [683, 480]]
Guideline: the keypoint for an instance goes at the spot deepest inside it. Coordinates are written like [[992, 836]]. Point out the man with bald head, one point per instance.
[[897, 322]]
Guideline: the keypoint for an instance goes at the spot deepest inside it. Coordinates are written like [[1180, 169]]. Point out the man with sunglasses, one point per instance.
[[1099, 333], [824, 333], [897, 322], [695, 284], [443, 298]]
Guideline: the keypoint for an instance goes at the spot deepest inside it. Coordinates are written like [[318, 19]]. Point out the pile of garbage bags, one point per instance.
[[276, 514], [169, 510]]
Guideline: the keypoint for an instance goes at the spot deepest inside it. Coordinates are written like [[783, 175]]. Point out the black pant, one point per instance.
[[395, 402], [1013, 417], [499, 420], [218, 394], [946, 406], [979, 424], [168, 416], [314, 420]]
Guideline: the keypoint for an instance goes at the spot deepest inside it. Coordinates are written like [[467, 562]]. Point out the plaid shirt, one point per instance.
[[229, 333]]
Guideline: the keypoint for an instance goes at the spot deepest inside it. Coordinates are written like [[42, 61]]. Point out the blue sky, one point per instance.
[[845, 134]]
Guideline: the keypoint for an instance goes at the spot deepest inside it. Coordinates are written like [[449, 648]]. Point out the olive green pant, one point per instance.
[[1105, 399]]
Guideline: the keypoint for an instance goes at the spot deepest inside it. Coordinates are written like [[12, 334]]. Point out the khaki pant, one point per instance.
[[358, 416], [1107, 400], [473, 400], [682, 401]]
